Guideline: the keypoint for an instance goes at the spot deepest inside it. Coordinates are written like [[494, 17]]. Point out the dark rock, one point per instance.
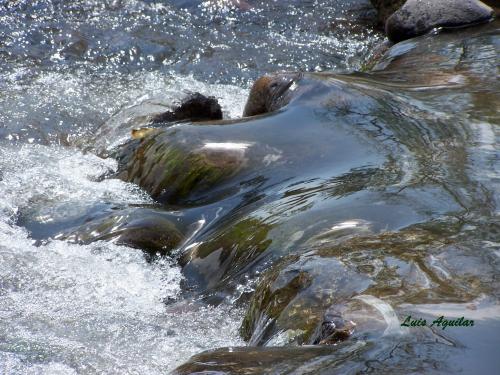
[[333, 329], [152, 113], [270, 93], [255, 361], [385, 8], [215, 262], [292, 298], [195, 107], [144, 229], [416, 17]]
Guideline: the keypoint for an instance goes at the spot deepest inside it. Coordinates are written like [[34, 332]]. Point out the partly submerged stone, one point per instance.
[[333, 329], [229, 251], [254, 361], [291, 299], [174, 170], [416, 17], [154, 113], [270, 93], [144, 229], [315, 298], [195, 107]]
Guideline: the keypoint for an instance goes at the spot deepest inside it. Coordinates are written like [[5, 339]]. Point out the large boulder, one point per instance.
[[417, 17]]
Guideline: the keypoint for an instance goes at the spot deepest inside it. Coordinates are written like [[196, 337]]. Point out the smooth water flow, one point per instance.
[[372, 196]]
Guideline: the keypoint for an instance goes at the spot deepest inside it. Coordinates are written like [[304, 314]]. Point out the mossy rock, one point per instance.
[[173, 172], [293, 296], [231, 250]]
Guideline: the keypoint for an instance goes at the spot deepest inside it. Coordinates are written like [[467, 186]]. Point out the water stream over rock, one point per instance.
[[370, 197]]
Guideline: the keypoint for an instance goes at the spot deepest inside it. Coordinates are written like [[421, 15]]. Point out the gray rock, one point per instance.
[[416, 17]]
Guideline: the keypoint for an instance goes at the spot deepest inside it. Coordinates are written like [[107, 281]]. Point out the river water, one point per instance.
[[66, 67], [425, 151]]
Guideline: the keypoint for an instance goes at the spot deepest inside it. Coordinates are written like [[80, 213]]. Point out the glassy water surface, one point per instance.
[[381, 185]]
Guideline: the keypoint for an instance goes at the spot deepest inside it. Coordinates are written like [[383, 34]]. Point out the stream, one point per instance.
[[373, 195]]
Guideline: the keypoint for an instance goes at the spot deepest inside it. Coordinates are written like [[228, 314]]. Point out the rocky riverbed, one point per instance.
[[353, 228]]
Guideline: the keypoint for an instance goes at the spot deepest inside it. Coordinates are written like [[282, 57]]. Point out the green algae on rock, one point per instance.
[[299, 295], [172, 172], [291, 299], [229, 251]]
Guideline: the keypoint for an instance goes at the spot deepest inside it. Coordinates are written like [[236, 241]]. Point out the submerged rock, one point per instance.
[[416, 17], [230, 250], [145, 229], [255, 361], [311, 299], [333, 329], [292, 298], [178, 170]]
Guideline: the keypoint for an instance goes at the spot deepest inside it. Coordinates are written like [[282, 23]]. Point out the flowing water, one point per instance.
[[387, 200], [66, 67]]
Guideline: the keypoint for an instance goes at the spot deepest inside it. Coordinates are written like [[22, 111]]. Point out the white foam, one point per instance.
[[98, 308]]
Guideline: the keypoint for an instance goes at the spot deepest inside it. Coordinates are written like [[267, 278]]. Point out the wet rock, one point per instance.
[[376, 55], [188, 165], [195, 107], [232, 249], [313, 298], [333, 329], [153, 113], [256, 361], [173, 173], [270, 93], [143, 229], [416, 17], [292, 298], [450, 59], [385, 8]]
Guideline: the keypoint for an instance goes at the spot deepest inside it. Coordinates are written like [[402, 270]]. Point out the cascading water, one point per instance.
[[66, 67]]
